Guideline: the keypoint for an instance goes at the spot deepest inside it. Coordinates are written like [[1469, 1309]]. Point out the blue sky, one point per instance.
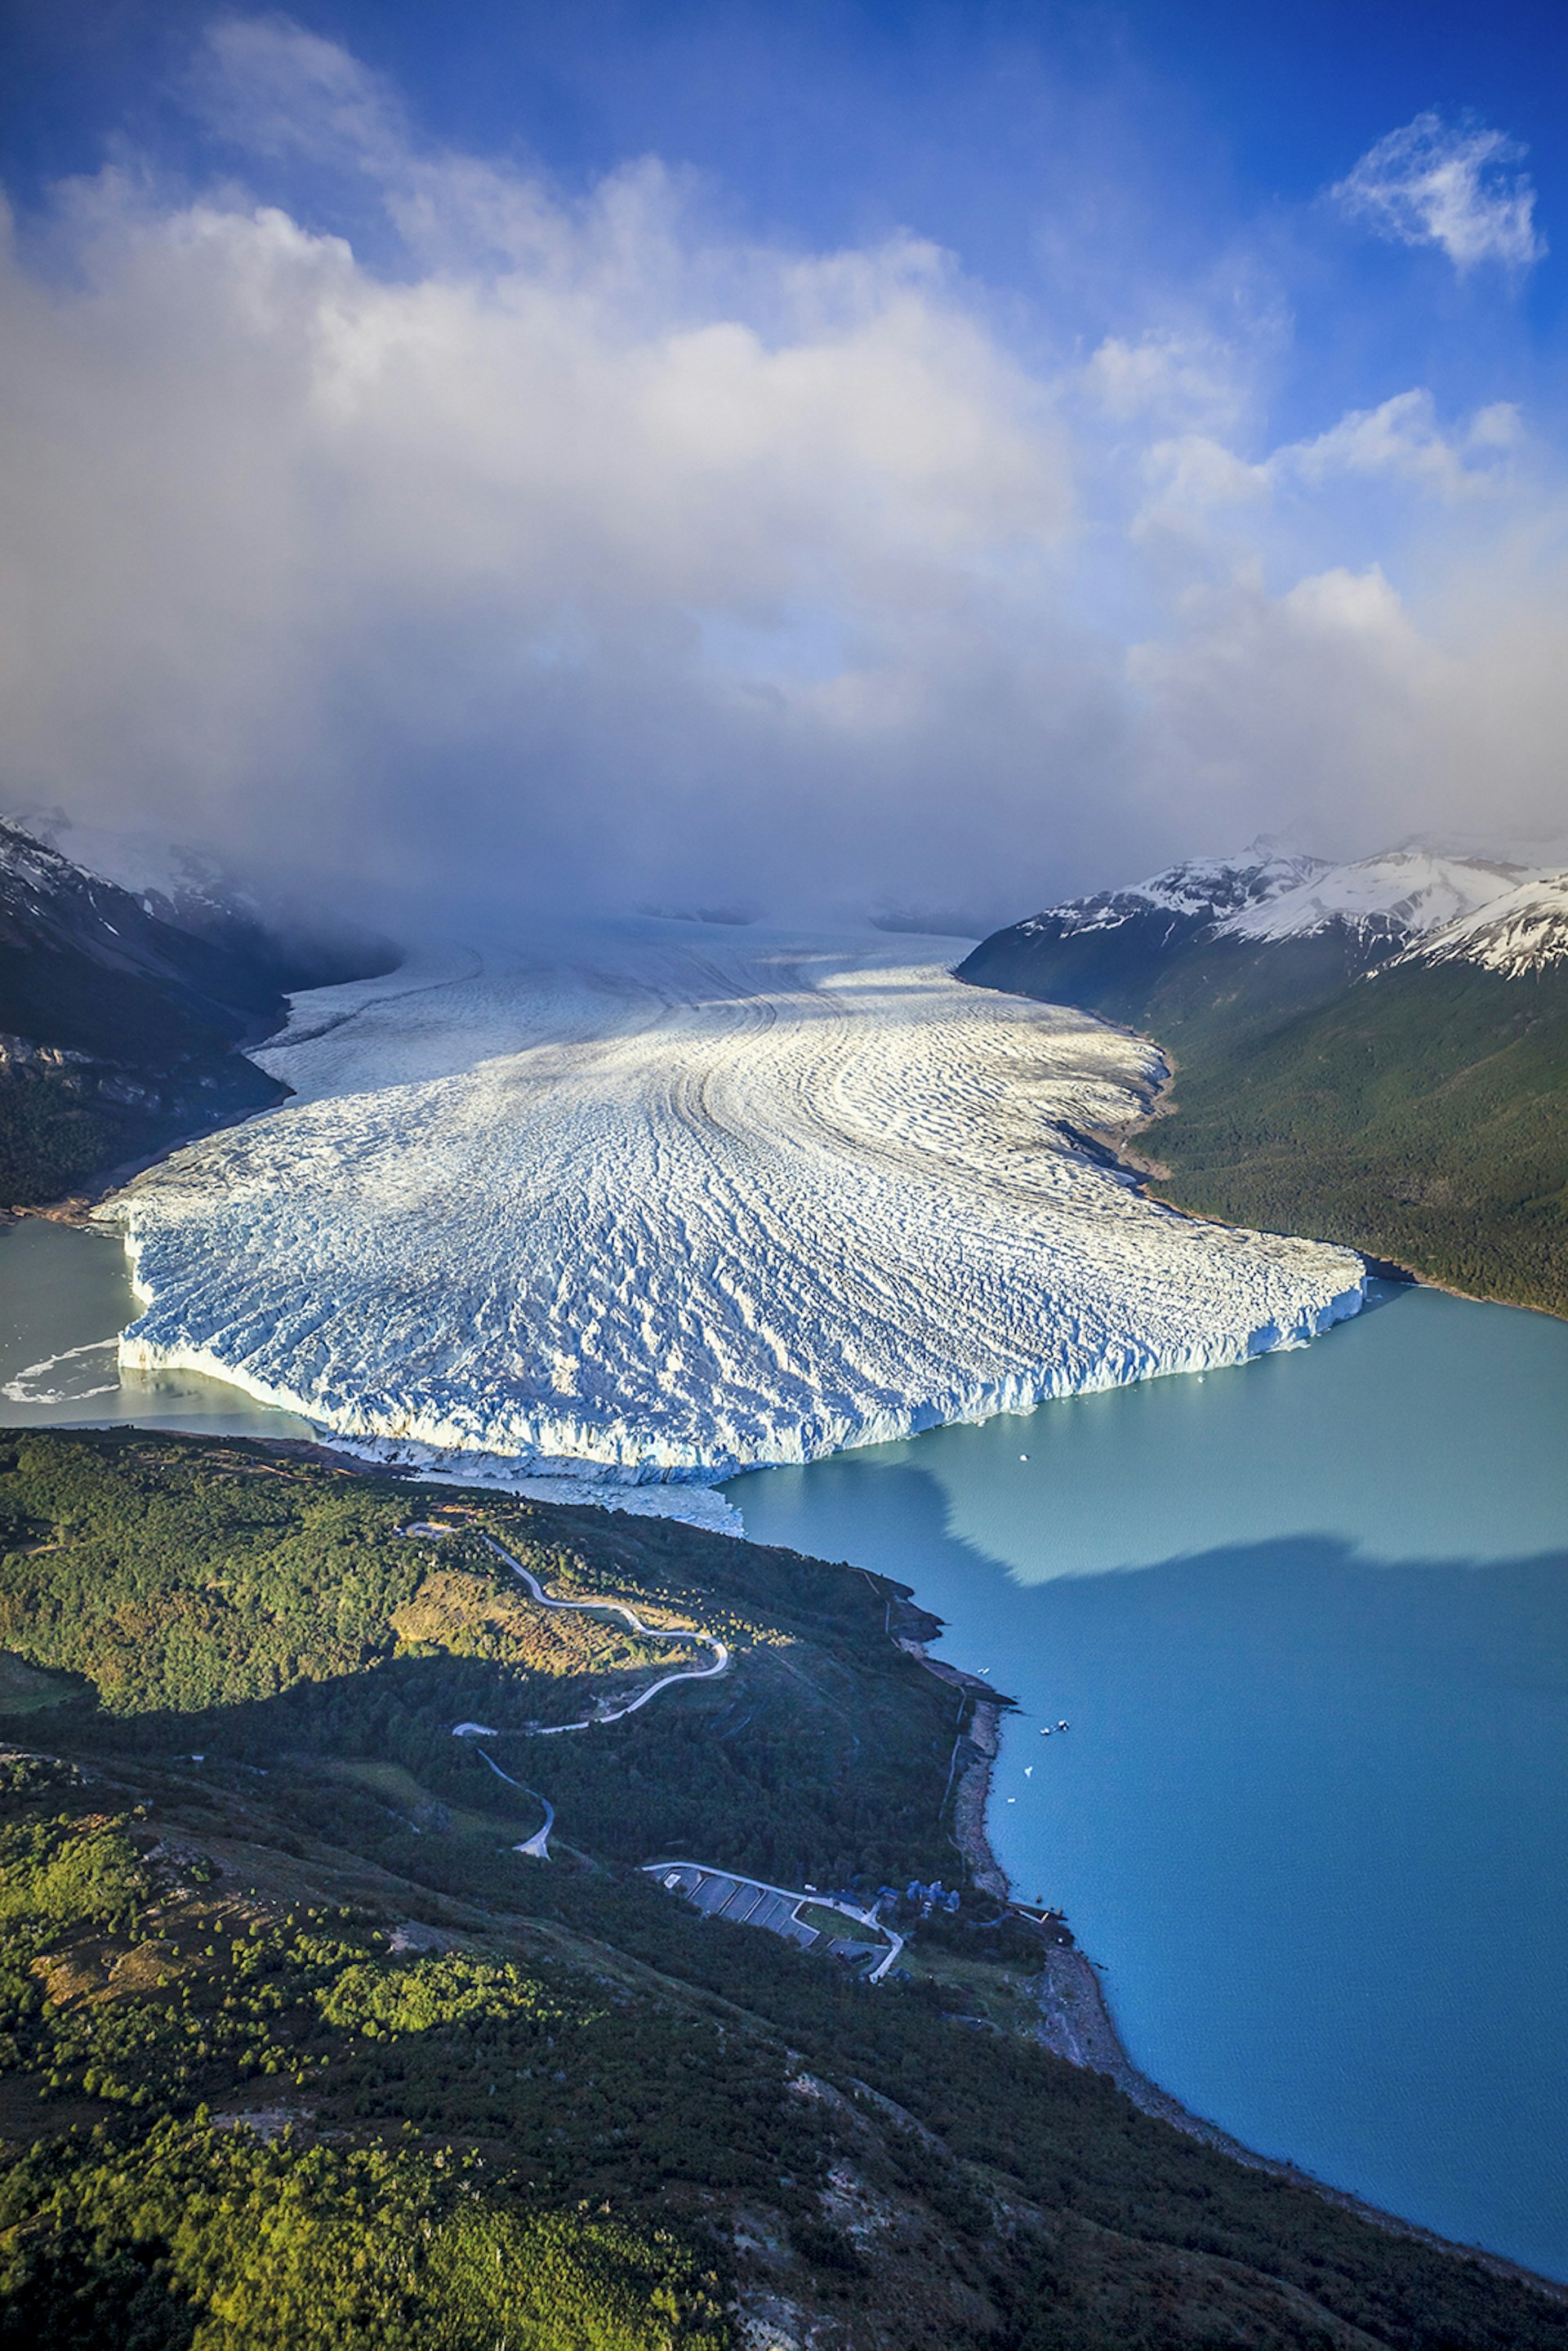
[[1136, 424]]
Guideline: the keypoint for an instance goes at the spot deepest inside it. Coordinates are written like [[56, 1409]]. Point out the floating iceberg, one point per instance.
[[665, 1202]]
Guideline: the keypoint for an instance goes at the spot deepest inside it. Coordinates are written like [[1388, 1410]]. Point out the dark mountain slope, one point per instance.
[[1349, 1068], [1422, 1115], [1170, 977], [1111, 952], [120, 1030]]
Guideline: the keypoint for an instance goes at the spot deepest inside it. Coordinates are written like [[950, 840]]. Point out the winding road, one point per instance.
[[647, 1632], [538, 1843], [786, 1904]]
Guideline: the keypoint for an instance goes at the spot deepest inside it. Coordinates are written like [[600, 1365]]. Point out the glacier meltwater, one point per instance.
[[668, 1200]]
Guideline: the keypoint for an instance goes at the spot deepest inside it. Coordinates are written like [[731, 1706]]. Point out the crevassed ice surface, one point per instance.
[[665, 1201]]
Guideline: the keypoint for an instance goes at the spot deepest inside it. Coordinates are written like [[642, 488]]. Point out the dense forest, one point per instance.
[[1420, 1113], [297, 2051]]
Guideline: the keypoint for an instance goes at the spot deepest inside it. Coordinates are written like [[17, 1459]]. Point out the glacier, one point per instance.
[[617, 1215]]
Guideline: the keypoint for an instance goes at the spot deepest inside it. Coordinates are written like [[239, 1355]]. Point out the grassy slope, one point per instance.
[[566, 2112]]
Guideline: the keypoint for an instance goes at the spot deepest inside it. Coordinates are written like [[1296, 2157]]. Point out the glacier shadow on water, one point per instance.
[[1311, 1813], [1315, 1808]]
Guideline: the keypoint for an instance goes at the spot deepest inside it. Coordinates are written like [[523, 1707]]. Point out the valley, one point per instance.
[[646, 1204], [127, 1012]]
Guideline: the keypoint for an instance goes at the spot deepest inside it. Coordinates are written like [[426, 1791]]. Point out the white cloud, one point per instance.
[[1313, 693], [1335, 699], [1191, 378], [276, 89], [283, 532], [1192, 476], [1402, 440], [1432, 183], [586, 552]]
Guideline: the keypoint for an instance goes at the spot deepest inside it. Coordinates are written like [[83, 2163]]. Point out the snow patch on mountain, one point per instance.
[[657, 1205], [175, 883], [1395, 896], [1201, 887], [29, 866], [1525, 930]]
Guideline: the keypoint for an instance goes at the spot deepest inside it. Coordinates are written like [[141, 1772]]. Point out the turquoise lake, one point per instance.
[[65, 1296], [1308, 1622]]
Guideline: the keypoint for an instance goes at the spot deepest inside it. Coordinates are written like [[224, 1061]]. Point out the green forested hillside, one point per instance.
[[263, 1609], [62, 1127], [298, 2052], [1420, 1113]]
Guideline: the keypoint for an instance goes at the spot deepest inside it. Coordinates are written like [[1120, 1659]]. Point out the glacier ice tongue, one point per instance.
[[655, 1204]]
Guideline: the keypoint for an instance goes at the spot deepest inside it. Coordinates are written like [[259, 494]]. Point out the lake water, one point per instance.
[[65, 1295], [1308, 1621]]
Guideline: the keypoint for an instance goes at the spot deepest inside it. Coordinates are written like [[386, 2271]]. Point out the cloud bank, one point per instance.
[[576, 553]]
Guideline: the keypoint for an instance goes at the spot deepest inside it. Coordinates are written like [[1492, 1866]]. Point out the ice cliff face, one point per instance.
[[660, 1204]]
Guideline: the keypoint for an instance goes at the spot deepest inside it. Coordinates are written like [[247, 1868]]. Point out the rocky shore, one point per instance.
[[1076, 2019]]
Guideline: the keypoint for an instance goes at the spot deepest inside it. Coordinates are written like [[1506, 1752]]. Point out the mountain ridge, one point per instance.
[[125, 1014]]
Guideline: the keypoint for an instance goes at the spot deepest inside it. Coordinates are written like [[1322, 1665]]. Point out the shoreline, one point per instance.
[[1153, 1172], [1076, 2020]]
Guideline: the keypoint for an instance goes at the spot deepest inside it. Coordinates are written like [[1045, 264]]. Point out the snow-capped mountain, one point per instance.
[[1374, 1052], [1108, 950], [1201, 890], [1267, 930], [1525, 930], [84, 965], [171, 879], [1384, 900], [190, 889]]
